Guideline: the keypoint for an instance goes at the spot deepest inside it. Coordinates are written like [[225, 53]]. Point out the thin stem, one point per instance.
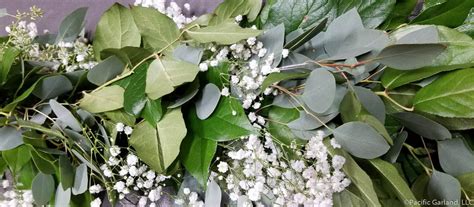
[[427, 152], [385, 95]]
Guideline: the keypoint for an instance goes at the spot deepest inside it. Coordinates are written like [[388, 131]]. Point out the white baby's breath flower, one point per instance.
[[225, 92], [96, 202], [285, 53], [203, 67], [128, 130], [223, 167], [119, 127], [114, 151], [238, 18]]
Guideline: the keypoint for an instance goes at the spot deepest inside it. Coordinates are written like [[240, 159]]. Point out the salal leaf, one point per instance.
[[320, 90], [94, 102], [105, 70], [409, 56], [135, 91], [62, 197], [423, 126], [361, 140], [72, 25], [65, 117], [213, 194], [208, 101], [444, 187], [116, 29], [222, 118], [306, 36], [43, 188], [52, 87], [359, 178], [197, 154], [448, 96], [450, 13], [225, 33], [11, 138], [165, 73], [458, 54], [455, 157], [80, 180], [397, 183], [158, 147], [157, 30], [399, 15]]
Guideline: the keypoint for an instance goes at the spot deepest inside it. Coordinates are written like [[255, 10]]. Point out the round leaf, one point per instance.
[[42, 188], [105, 70], [444, 187], [11, 138], [320, 90], [361, 140], [208, 101], [455, 157], [52, 87]]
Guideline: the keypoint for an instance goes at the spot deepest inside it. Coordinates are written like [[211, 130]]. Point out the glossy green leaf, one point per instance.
[[400, 14], [231, 8], [52, 87], [43, 188], [278, 124], [16, 158], [11, 138], [444, 187], [152, 111], [361, 140], [451, 13], [94, 102], [165, 74], [197, 154], [81, 180], [225, 33], [43, 161], [320, 90], [106, 70], [306, 36], [448, 96], [158, 30], [116, 29], [8, 58], [397, 183], [458, 54], [135, 91], [158, 147], [455, 157], [409, 56], [72, 25], [222, 118], [423, 126], [208, 101]]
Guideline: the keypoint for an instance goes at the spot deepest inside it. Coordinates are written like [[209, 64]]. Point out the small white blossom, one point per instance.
[[223, 167], [96, 202], [203, 67], [238, 18], [128, 130], [225, 92], [285, 53], [119, 127]]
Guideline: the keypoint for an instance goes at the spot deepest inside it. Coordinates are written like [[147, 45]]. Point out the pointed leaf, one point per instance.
[[423, 126], [63, 197], [80, 180], [225, 33], [65, 117], [105, 70], [72, 25], [409, 56], [11, 138], [42, 188], [455, 157], [94, 102]]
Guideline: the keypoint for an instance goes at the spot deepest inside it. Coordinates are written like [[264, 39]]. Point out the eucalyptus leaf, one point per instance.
[[162, 35], [52, 87], [213, 194], [273, 39], [208, 101], [455, 157], [409, 56], [225, 33], [66, 172], [11, 138], [371, 102], [43, 188], [423, 126], [71, 25], [310, 121], [116, 29], [395, 150], [188, 53], [81, 179], [320, 90], [65, 117], [63, 197], [94, 102], [361, 140], [444, 187], [158, 147], [189, 94], [105, 70]]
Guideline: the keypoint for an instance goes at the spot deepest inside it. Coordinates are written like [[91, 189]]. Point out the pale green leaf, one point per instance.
[[107, 99], [225, 33]]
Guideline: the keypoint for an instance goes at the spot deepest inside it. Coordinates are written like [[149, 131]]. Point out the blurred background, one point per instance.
[[56, 10]]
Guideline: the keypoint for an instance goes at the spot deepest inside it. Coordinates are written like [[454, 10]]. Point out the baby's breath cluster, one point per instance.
[[259, 169], [173, 10], [14, 198]]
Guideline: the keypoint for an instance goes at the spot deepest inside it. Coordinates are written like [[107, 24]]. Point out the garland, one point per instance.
[[251, 105]]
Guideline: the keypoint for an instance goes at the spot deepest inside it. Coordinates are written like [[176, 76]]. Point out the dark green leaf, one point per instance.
[[43, 188], [306, 36], [455, 157], [16, 158], [361, 140], [394, 150], [400, 14], [43, 161], [66, 172], [448, 96], [409, 56], [52, 87], [423, 126], [152, 111], [72, 25], [9, 56], [11, 138], [135, 91], [189, 94], [451, 13], [278, 124], [116, 29], [277, 77], [208, 101]]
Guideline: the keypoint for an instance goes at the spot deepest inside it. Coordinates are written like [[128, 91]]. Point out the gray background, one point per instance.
[[56, 10]]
